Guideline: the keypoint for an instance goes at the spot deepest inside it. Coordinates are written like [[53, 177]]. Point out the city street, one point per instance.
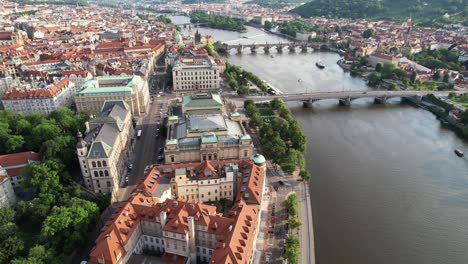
[[145, 150]]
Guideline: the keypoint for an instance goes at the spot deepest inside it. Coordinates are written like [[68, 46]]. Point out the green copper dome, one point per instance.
[[258, 159]]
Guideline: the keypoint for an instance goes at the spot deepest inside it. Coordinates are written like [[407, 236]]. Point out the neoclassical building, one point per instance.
[[133, 90], [195, 73], [103, 150], [203, 131], [181, 230]]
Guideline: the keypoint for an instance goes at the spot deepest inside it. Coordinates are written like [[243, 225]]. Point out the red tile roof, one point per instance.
[[235, 232], [50, 92], [15, 163]]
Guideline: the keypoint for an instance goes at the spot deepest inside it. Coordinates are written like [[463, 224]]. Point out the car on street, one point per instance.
[[130, 166], [126, 179], [267, 257]]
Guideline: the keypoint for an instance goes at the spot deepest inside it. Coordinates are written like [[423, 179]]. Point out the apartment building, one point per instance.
[[43, 100], [102, 152], [14, 164], [203, 131], [195, 73], [133, 90], [181, 230]]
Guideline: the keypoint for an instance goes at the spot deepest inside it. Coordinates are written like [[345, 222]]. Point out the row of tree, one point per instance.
[[282, 138], [238, 79], [292, 243], [215, 21]]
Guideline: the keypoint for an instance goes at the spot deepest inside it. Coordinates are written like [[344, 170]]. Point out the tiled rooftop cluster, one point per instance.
[[233, 234]]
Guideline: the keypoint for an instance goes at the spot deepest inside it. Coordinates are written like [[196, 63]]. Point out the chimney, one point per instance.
[[163, 217], [87, 127]]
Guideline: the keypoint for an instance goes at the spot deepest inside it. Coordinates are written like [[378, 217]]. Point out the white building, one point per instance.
[[195, 74], [7, 195], [43, 100]]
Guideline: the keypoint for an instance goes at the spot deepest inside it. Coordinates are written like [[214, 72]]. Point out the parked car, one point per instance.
[[130, 166], [126, 179]]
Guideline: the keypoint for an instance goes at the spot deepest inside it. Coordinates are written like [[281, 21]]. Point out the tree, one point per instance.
[[378, 67], [414, 75], [45, 177], [281, 126], [274, 148], [446, 78], [67, 226], [10, 243], [38, 255], [465, 131], [368, 33], [292, 204], [294, 222], [298, 139], [305, 175], [374, 79], [268, 25], [292, 160], [292, 252]]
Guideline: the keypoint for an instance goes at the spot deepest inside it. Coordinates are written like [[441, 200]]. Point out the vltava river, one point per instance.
[[386, 185]]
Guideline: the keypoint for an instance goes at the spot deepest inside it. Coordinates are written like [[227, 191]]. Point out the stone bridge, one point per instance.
[[346, 97], [195, 25], [278, 46]]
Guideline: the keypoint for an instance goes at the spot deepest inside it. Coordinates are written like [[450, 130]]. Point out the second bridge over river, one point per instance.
[[345, 97], [278, 46]]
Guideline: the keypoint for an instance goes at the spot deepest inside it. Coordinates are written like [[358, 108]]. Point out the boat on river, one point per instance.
[[319, 65], [459, 153]]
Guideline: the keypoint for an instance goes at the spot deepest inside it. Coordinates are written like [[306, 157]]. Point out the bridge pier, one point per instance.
[[345, 101], [380, 100], [308, 103], [292, 48], [279, 49], [253, 49], [240, 49], [185, 25], [304, 48], [266, 48]]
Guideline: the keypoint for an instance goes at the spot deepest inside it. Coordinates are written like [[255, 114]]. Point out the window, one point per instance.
[[101, 173], [151, 239], [216, 191], [96, 174], [108, 184], [204, 250], [94, 164], [146, 238], [99, 164], [157, 240], [106, 173], [172, 158], [104, 163], [246, 153]]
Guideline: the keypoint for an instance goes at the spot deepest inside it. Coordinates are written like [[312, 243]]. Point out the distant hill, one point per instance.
[[419, 10], [202, 1]]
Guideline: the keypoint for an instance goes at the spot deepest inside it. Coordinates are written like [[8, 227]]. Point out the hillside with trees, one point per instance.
[[275, 4], [421, 11]]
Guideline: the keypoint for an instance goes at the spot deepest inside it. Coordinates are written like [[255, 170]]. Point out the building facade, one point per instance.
[[7, 194], [204, 132], [102, 152], [131, 89], [181, 230], [195, 74], [42, 100], [15, 163]]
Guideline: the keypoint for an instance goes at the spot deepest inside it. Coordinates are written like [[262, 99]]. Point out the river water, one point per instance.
[[386, 185]]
